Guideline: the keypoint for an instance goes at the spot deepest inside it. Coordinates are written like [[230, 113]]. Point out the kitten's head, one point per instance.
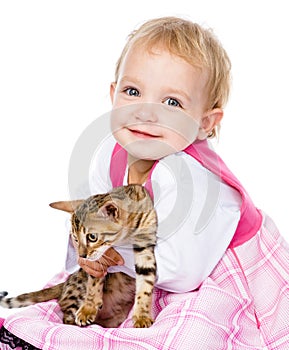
[[105, 220]]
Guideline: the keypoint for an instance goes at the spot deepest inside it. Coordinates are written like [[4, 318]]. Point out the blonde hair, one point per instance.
[[196, 45]]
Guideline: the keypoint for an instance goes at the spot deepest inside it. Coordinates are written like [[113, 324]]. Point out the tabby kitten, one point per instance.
[[124, 216]]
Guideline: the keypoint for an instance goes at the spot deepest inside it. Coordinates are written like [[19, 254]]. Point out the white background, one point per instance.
[[57, 60]]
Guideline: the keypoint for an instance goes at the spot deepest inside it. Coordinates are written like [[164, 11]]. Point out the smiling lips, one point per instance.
[[142, 134]]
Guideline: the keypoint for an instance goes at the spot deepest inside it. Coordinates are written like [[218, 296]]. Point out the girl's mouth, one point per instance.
[[142, 134]]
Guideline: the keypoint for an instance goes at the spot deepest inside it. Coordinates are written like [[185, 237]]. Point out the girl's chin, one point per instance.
[[149, 149]]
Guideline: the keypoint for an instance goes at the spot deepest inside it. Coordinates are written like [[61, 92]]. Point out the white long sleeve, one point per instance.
[[198, 215]]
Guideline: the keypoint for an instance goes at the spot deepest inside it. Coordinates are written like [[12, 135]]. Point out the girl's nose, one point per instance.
[[146, 112]]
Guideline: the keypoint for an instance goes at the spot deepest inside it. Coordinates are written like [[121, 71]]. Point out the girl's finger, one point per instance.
[[93, 268], [113, 257]]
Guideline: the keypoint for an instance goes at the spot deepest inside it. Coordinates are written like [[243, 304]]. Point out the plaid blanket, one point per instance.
[[244, 304]]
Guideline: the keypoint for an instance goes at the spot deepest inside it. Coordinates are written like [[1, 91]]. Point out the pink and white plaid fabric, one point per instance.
[[244, 304]]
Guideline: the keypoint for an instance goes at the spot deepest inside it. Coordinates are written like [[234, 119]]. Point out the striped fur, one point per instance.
[[124, 216]]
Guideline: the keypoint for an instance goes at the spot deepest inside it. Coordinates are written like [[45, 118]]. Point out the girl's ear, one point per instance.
[[210, 119], [68, 206], [112, 91]]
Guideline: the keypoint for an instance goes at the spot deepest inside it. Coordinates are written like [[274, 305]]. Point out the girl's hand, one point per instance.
[[98, 268]]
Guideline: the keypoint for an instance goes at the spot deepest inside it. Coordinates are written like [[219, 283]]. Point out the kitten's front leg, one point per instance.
[[145, 266], [87, 313]]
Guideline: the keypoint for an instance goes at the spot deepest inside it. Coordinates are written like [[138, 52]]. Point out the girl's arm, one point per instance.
[[198, 215]]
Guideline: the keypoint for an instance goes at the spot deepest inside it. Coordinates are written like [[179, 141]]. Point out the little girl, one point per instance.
[[223, 268]]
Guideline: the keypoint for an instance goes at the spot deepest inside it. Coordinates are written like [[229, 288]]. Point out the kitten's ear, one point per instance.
[[110, 210], [68, 206]]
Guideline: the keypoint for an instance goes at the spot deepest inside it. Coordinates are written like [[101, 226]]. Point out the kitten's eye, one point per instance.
[[132, 92], [172, 102], [92, 237]]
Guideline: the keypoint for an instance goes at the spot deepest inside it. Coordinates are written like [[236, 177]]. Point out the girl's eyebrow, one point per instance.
[[178, 92], [128, 78]]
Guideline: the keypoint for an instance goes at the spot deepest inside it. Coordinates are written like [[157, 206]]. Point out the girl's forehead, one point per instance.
[[141, 58], [156, 50], [157, 47]]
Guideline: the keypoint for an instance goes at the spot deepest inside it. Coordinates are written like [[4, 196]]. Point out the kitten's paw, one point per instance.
[[69, 319], [142, 321], [86, 315]]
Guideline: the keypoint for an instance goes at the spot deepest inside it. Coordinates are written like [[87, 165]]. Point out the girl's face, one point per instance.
[[159, 104]]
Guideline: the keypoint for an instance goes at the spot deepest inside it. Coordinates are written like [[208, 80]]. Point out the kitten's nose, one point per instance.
[[82, 251]]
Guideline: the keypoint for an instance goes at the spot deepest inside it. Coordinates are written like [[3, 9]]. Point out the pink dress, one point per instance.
[[243, 304]]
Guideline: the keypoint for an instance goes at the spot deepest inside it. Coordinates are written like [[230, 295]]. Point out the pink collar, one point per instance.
[[250, 219]]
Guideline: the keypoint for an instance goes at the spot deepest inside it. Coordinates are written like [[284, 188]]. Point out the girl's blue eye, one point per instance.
[[132, 92], [172, 102]]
